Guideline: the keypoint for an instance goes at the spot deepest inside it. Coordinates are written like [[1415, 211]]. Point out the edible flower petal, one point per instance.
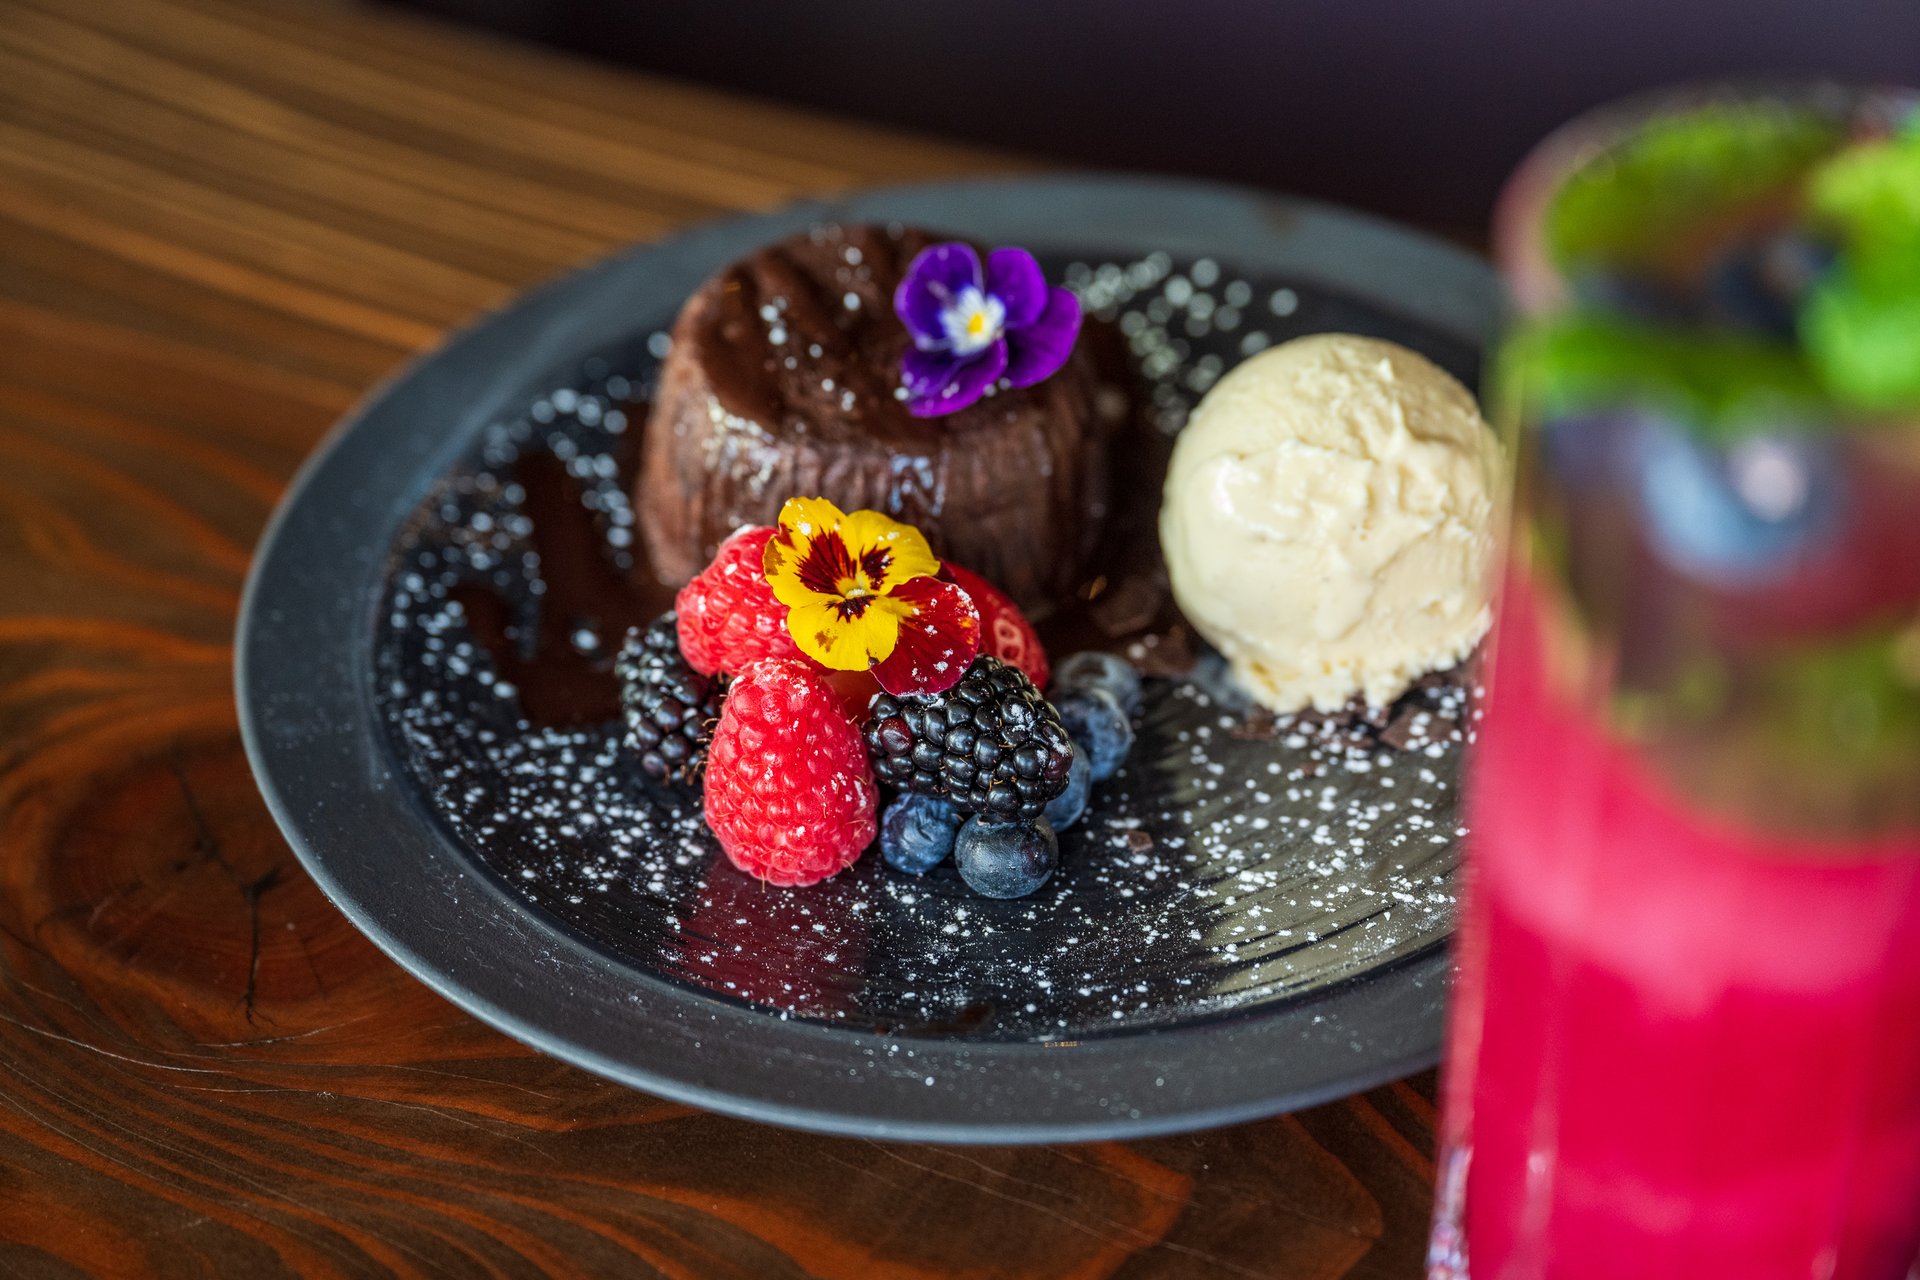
[[1034, 352], [861, 594], [939, 382], [1015, 278], [934, 652], [973, 326], [933, 283]]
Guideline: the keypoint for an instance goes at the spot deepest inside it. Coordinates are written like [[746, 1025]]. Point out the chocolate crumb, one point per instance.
[[1129, 605], [1400, 733], [1256, 727]]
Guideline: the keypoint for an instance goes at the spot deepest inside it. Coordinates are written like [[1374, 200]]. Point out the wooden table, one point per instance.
[[220, 224]]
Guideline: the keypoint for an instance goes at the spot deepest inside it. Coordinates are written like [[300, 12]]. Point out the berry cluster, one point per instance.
[[989, 771], [792, 755]]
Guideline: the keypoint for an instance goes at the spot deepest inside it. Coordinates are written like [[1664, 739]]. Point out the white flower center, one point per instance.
[[973, 321]]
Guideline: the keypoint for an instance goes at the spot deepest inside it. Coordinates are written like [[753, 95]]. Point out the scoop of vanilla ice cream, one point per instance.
[[1328, 521]]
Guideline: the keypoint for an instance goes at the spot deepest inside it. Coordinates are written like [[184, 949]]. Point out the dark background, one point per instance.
[[1414, 108]]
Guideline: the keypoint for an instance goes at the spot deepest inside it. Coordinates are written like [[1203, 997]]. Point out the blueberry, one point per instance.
[[1098, 725], [1006, 859], [1065, 809], [917, 831], [1095, 670], [1742, 516]]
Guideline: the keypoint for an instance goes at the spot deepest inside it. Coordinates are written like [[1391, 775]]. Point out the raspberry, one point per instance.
[[790, 793], [1005, 632], [854, 689], [728, 616]]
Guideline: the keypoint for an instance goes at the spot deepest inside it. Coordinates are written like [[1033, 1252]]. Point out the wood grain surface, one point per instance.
[[220, 224]]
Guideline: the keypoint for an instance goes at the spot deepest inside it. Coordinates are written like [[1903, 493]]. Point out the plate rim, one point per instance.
[[296, 710]]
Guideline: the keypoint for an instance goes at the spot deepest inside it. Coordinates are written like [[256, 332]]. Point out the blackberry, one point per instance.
[[990, 745], [670, 708]]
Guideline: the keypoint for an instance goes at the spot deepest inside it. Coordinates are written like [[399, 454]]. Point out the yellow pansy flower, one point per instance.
[[861, 594]]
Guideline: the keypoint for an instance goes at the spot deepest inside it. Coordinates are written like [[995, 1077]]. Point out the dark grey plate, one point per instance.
[[1281, 951]]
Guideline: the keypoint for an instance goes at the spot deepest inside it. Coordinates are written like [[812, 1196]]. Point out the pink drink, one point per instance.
[[1678, 1051], [1685, 1035]]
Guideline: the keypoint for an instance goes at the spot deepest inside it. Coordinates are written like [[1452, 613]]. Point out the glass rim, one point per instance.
[[1533, 283]]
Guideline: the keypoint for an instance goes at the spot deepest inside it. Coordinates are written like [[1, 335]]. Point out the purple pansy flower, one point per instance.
[[971, 328]]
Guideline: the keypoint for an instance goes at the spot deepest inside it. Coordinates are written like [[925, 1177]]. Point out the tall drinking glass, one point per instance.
[[1685, 1036]]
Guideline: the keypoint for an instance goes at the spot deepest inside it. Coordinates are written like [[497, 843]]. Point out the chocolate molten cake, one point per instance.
[[784, 377]]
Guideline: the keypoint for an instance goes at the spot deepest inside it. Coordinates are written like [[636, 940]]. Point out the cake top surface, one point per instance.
[[801, 336]]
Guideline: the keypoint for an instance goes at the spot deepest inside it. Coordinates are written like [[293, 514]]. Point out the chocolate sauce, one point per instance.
[[561, 660]]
